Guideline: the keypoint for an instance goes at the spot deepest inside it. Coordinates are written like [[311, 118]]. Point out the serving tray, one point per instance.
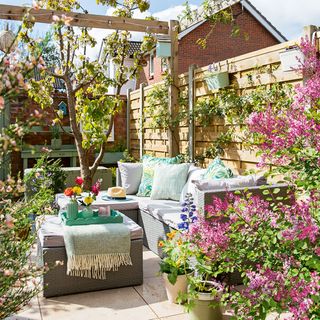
[[115, 217]]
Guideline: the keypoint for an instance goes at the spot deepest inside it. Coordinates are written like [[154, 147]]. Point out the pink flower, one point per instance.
[[9, 221], [79, 181], [96, 187]]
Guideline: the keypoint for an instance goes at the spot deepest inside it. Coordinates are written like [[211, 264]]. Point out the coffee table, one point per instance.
[[56, 282], [128, 207]]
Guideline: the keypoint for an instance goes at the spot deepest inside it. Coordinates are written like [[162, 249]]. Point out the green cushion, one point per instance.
[[149, 164], [169, 180], [217, 170]]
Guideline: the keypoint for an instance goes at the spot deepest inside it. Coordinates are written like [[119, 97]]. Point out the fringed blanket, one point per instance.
[[92, 250]]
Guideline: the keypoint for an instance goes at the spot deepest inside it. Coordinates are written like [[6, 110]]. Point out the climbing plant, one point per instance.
[[158, 106], [234, 109]]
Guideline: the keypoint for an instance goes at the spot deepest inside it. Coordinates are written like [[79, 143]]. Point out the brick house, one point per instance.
[[220, 44]]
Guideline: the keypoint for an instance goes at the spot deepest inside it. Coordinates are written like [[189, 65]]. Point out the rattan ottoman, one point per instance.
[[56, 282]]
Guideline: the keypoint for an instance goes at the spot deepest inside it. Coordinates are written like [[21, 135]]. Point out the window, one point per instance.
[[151, 65], [164, 64]]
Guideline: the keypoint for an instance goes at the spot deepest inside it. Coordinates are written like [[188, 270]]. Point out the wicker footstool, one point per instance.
[[56, 282]]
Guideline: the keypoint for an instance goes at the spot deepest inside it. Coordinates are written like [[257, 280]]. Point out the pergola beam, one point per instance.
[[8, 12]]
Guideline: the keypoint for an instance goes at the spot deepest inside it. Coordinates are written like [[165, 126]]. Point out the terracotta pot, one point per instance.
[[173, 290], [203, 310]]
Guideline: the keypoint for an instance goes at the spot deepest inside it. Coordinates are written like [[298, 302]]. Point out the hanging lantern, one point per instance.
[[7, 40], [163, 48]]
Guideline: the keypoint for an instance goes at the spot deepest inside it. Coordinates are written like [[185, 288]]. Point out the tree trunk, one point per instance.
[[84, 161]]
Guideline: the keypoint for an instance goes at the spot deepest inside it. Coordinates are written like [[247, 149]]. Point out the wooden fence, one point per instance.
[[246, 72]]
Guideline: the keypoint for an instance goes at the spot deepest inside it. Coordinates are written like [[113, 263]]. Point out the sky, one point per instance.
[[288, 16]]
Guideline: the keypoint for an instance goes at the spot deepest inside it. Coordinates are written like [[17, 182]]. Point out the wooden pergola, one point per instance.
[[171, 28]]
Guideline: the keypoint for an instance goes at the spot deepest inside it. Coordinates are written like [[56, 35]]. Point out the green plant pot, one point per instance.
[[217, 80], [72, 210], [56, 144], [206, 306], [203, 311]]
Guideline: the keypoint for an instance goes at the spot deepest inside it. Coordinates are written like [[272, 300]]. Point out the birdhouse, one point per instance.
[[63, 107], [163, 48], [7, 40]]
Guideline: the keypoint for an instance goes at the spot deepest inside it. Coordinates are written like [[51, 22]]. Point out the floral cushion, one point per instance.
[[149, 163], [217, 170]]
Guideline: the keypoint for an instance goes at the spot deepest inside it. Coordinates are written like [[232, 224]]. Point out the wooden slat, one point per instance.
[[9, 12]]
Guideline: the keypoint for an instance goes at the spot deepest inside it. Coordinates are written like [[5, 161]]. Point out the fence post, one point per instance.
[[141, 133], [173, 133], [191, 95], [128, 119]]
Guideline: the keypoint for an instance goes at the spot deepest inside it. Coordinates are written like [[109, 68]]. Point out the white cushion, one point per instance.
[[131, 174], [195, 173]]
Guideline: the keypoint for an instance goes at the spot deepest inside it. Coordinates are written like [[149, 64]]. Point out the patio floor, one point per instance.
[[145, 302]]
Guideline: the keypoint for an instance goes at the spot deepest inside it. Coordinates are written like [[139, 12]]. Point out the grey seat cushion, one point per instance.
[[50, 232], [167, 211]]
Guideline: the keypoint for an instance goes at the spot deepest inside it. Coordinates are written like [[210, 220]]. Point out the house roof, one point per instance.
[[134, 46], [249, 7], [58, 83]]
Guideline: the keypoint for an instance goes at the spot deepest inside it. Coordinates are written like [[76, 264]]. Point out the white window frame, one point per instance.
[[164, 64], [151, 64]]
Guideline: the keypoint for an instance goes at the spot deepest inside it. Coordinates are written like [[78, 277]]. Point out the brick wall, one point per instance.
[[145, 77], [220, 44], [23, 107]]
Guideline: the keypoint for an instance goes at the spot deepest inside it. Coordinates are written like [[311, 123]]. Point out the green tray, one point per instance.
[[115, 217]]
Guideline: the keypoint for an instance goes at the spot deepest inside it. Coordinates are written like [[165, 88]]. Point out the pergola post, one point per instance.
[[141, 122], [173, 133], [128, 119]]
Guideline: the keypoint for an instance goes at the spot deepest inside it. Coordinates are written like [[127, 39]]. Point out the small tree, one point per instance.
[[91, 109]]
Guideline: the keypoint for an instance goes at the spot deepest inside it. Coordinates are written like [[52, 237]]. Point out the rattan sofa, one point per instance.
[[158, 217]]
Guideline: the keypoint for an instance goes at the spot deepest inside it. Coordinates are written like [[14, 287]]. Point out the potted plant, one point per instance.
[[204, 297], [56, 141], [215, 78], [174, 266], [114, 154]]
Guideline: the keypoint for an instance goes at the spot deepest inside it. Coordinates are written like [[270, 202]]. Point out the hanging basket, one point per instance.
[[217, 80], [7, 38], [291, 59]]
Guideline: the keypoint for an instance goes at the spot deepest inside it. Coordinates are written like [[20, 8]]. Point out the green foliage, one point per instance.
[[87, 82], [215, 12], [45, 175], [55, 132], [127, 157], [235, 109], [157, 107], [175, 261], [217, 147]]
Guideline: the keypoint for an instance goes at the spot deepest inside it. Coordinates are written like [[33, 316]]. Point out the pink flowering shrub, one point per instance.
[[290, 137], [274, 247]]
